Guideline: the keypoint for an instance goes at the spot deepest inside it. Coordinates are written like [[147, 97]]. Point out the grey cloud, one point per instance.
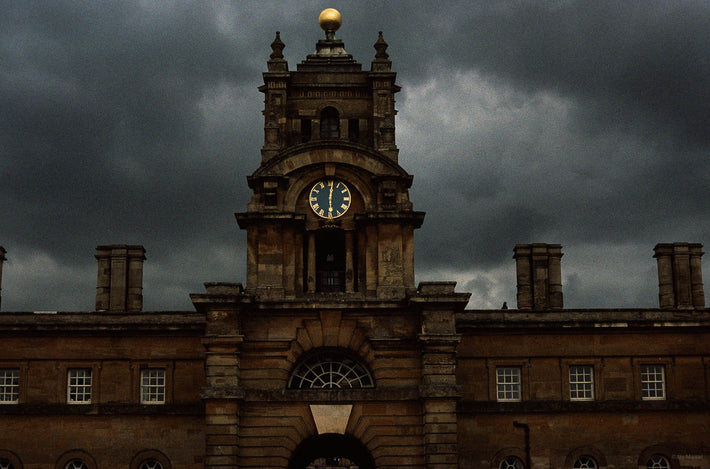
[[138, 122]]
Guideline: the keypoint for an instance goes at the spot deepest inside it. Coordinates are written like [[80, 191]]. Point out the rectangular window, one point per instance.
[[153, 386], [9, 386], [508, 383], [581, 383], [653, 382], [79, 386]]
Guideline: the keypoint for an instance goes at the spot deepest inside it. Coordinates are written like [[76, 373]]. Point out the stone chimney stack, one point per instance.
[[119, 285], [539, 276], [2, 259], [680, 279]]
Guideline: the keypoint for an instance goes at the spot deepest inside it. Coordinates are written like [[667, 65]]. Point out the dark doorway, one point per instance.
[[331, 451], [330, 260]]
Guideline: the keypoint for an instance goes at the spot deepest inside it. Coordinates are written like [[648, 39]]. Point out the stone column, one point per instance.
[[311, 268], [349, 259]]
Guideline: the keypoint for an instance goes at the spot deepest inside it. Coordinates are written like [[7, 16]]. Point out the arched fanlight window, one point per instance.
[[585, 462], [151, 464], [511, 462], [329, 123], [328, 368], [76, 464], [658, 462]]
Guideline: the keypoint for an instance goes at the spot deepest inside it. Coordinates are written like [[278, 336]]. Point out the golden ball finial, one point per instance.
[[330, 19]]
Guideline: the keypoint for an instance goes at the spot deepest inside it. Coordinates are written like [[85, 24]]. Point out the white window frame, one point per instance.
[[153, 388], [511, 462], [585, 462], [581, 383], [508, 384], [653, 382], [658, 461], [9, 385], [151, 464], [76, 464], [79, 385]]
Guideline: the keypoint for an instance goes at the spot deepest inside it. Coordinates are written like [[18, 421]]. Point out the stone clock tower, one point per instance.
[[330, 353], [330, 130]]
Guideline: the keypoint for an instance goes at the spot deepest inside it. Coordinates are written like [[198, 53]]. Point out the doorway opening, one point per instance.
[[330, 261], [331, 451]]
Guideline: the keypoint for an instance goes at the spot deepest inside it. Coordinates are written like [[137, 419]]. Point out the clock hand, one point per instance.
[[330, 198]]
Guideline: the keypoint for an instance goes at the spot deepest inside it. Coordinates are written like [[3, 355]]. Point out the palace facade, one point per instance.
[[330, 356]]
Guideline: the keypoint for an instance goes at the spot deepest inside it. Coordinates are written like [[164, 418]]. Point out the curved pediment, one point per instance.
[[336, 151]]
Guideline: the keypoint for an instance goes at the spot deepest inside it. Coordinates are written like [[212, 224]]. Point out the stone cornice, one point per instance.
[[607, 319], [491, 407], [168, 322]]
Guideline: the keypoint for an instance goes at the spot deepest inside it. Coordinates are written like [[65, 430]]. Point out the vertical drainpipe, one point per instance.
[[526, 428]]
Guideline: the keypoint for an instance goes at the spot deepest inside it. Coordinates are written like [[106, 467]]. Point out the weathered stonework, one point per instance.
[[330, 356]]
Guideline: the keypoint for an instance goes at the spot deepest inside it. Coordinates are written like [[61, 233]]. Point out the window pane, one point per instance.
[[79, 386], [508, 383], [153, 386], [9, 386], [658, 462], [330, 369], [511, 462], [653, 382], [151, 464], [585, 462], [76, 464], [581, 383]]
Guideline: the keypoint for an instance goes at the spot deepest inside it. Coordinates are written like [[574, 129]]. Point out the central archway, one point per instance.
[[333, 449]]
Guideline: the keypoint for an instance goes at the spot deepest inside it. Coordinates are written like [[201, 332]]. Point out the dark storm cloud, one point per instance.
[[581, 123]]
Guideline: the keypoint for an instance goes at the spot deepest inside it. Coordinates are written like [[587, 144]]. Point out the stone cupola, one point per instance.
[[330, 209]]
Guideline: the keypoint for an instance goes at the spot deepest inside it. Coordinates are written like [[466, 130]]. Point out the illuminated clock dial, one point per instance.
[[329, 198]]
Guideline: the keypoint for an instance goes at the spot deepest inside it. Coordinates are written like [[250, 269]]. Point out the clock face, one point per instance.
[[329, 198]]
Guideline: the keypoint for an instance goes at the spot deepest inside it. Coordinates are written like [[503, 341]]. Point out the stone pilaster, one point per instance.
[[439, 392], [222, 394]]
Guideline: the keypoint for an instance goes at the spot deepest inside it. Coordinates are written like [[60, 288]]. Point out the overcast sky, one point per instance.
[[580, 123]]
